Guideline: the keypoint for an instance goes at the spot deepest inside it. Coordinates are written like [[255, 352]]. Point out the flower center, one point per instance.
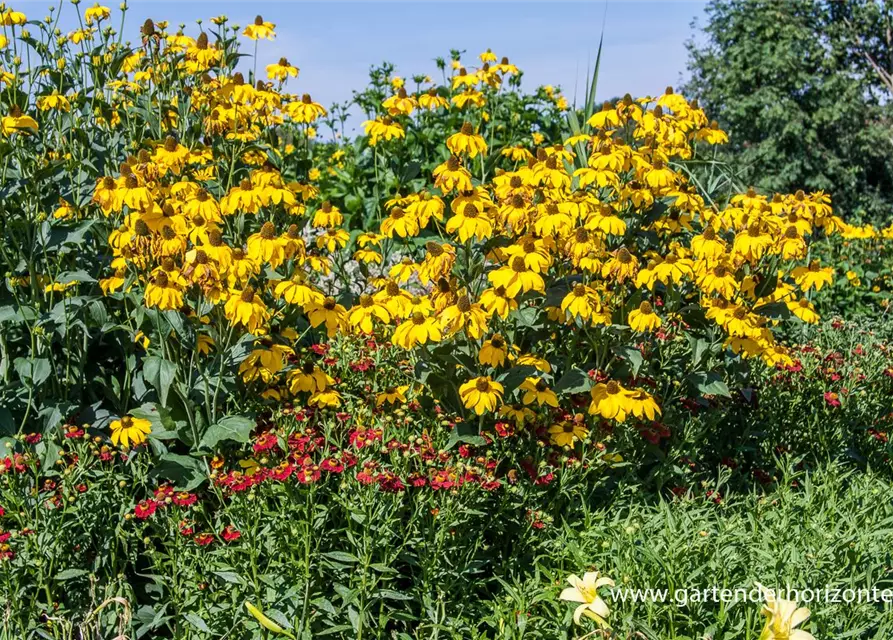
[[623, 256], [268, 231]]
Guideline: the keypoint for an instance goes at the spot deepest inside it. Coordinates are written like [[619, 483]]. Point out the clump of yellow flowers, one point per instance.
[[522, 273]]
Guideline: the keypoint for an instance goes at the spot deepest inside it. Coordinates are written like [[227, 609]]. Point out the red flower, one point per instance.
[[361, 437], [443, 479], [265, 442], [504, 429], [320, 349], [185, 499], [73, 432], [230, 533], [362, 365], [145, 509], [332, 465], [282, 471], [164, 492], [186, 529], [204, 539], [33, 438], [390, 482], [832, 399], [307, 471], [4, 536]]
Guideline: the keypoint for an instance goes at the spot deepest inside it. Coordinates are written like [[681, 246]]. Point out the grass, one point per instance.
[[832, 527]]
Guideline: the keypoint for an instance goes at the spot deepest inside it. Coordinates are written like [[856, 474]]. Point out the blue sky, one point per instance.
[[334, 43]]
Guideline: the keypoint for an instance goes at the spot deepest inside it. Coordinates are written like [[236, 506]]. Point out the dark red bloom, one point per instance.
[[145, 509], [265, 442], [184, 499], [230, 533], [204, 539]]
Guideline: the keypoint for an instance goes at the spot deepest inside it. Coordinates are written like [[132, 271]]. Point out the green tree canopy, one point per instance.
[[803, 87]]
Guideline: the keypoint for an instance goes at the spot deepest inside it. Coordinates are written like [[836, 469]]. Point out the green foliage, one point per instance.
[[799, 85]]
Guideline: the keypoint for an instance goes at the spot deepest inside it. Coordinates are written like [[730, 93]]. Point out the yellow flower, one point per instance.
[[565, 433], [260, 30], [481, 394], [54, 101], [466, 141], [643, 319], [464, 315], [782, 616], [383, 129], [328, 398], [585, 591], [516, 278], [611, 401], [399, 222], [96, 13], [305, 110], [309, 378], [328, 312], [400, 104], [418, 329], [246, 308], [536, 389], [392, 395], [452, 175], [814, 276], [804, 310], [281, 70], [361, 316], [493, 352], [581, 302], [164, 292], [17, 122], [129, 430], [266, 247]]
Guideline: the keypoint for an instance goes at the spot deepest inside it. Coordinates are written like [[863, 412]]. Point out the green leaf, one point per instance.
[[229, 576], [74, 276], [69, 574], [466, 432], [573, 381], [235, 428], [394, 595], [631, 355], [709, 383], [185, 472], [160, 373], [513, 378], [341, 556], [33, 371], [197, 622]]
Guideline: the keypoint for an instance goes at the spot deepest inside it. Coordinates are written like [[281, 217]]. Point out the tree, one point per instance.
[[804, 89]]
